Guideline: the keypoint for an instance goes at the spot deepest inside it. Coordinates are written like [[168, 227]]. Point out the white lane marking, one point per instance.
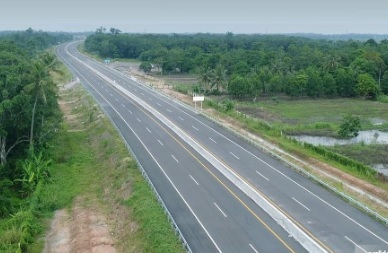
[[262, 175], [148, 130], [219, 209], [165, 174], [117, 100], [123, 105], [358, 246], [300, 203], [142, 93], [160, 142], [130, 111], [111, 94], [250, 245], [181, 118], [194, 128], [159, 104], [175, 158], [193, 179], [287, 177], [212, 140], [138, 119], [149, 98], [169, 110], [234, 156]]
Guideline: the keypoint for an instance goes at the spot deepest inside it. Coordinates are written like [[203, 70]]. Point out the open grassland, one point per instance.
[[306, 112]]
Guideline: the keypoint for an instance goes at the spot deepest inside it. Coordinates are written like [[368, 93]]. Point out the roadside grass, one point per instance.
[[95, 164], [91, 162]]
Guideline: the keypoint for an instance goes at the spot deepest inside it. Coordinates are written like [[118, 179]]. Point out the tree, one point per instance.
[[219, 78], [350, 126], [238, 86], [114, 31], [366, 86], [205, 78], [332, 63], [146, 67]]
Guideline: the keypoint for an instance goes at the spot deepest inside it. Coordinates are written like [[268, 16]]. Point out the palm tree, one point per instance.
[[206, 76], [332, 63], [219, 77], [41, 81]]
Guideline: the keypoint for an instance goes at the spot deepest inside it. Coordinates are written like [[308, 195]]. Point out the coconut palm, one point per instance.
[[219, 78], [205, 78]]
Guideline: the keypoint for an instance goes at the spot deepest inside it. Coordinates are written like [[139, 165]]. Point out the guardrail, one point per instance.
[[178, 232]]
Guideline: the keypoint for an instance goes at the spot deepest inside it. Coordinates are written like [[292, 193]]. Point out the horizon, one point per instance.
[[331, 17]]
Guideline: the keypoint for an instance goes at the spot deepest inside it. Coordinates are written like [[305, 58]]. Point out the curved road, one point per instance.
[[213, 214]]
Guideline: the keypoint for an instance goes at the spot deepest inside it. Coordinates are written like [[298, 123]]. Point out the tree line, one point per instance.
[[253, 65], [29, 113]]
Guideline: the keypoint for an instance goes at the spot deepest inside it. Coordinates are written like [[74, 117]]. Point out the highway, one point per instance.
[[214, 214]]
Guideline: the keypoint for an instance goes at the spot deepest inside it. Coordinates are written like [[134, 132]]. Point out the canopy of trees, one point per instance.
[[252, 65], [29, 113]]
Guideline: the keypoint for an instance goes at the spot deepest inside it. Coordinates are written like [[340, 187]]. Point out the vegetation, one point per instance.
[[253, 65], [350, 126], [47, 164], [29, 117]]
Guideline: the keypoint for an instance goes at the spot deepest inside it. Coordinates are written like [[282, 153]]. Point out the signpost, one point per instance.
[[198, 99]]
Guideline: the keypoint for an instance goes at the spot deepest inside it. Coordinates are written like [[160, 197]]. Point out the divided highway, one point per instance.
[[213, 214]]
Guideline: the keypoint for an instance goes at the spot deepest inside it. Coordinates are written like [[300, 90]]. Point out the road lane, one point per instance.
[[242, 228], [327, 217]]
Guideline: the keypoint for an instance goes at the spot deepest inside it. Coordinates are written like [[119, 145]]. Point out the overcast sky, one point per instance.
[[180, 16]]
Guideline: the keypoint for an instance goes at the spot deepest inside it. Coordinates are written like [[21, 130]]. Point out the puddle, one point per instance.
[[366, 137], [382, 168]]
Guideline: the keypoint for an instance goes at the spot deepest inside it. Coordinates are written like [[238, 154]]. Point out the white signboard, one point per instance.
[[198, 98]]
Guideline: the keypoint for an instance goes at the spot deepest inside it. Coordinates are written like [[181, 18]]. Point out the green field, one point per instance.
[[294, 112]]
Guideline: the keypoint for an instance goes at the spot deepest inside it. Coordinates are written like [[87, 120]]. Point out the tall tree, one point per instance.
[[219, 78]]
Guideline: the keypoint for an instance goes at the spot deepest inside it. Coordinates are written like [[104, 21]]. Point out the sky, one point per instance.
[[183, 16]]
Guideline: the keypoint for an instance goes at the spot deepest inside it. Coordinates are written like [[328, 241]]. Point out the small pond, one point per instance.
[[366, 137], [382, 168]]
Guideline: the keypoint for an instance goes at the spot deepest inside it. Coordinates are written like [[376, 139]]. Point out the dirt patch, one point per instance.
[[83, 229]]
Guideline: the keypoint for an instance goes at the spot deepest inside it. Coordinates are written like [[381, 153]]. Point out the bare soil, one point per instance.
[[83, 228]]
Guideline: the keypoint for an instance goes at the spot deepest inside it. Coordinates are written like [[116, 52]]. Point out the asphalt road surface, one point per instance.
[[213, 214]]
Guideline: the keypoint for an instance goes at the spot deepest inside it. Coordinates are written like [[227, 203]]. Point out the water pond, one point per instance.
[[366, 137]]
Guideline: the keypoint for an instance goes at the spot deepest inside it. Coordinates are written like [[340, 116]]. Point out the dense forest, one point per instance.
[[29, 116], [257, 65]]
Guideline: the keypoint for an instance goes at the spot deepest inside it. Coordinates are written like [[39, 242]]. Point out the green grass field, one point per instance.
[[295, 112]]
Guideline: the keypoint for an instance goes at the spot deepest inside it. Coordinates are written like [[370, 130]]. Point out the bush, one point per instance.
[[350, 126]]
